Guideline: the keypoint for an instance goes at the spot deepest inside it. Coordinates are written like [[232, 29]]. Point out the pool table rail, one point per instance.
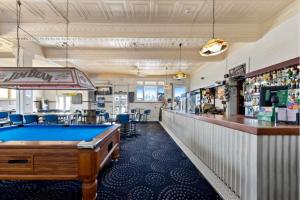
[[58, 144], [60, 160], [97, 140]]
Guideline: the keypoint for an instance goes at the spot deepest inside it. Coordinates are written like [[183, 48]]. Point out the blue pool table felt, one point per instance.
[[51, 133]]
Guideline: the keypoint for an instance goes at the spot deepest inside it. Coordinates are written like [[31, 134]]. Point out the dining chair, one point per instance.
[[16, 119], [3, 115], [31, 119], [51, 119]]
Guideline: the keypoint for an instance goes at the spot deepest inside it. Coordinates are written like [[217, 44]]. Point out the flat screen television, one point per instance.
[[266, 94], [104, 90]]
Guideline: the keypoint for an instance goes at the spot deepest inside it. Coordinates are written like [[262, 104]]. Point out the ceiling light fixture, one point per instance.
[[214, 46], [63, 45], [43, 78], [180, 74]]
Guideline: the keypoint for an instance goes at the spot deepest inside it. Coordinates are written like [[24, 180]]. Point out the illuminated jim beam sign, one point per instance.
[[44, 78]]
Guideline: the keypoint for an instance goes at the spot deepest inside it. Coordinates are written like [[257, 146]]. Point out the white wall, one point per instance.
[[51, 95], [6, 105], [278, 45], [128, 84]]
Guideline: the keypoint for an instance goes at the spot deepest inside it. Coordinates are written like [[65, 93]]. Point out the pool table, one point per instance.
[[58, 152]]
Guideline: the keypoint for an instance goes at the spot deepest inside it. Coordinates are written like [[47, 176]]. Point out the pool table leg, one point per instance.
[[89, 189], [116, 153]]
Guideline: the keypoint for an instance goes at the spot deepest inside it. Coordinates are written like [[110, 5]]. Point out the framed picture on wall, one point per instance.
[[101, 102], [220, 92]]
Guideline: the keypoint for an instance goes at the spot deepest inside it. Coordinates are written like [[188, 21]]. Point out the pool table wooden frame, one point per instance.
[[60, 160]]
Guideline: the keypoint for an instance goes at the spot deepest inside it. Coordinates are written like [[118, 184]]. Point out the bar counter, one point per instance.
[[242, 158], [248, 125]]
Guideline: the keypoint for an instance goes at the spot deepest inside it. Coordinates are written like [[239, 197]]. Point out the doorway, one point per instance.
[[240, 97]]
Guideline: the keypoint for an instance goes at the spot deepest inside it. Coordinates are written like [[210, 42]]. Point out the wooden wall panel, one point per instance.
[[253, 167]]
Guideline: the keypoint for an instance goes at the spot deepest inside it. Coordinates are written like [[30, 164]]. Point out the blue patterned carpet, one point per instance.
[[151, 167]]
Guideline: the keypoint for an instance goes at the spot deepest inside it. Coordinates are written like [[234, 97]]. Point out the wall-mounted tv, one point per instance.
[[266, 94], [104, 90]]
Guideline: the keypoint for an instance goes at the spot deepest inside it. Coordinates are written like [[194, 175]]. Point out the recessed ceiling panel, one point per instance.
[[144, 11], [164, 9], [111, 36], [116, 9], [140, 8], [94, 11]]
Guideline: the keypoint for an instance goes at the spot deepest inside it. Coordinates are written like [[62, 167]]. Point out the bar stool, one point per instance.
[[107, 119], [79, 115], [134, 122], [124, 120], [145, 115], [16, 119], [98, 113]]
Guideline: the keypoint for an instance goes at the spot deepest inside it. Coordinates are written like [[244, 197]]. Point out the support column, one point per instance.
[[232, 104], [24, 97]]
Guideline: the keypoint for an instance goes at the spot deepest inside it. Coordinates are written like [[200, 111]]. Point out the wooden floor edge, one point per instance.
[[220, 187]]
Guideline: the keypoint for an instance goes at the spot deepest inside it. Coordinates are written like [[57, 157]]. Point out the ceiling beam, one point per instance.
[[234, 32], [7, 55], [191, 55]]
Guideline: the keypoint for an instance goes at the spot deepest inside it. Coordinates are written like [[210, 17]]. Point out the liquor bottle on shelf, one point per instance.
[[255, 89], [295, 71], [289, 73], [274, 78]]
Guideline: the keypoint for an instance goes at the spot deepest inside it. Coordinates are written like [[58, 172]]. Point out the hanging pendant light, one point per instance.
[[214, 46], [180, 74], [43, 78], [166, 86]]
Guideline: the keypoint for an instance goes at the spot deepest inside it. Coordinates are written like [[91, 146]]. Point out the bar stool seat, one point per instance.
[[124, 120]]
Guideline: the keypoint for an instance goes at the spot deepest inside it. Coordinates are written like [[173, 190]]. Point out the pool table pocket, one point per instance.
[[15, 163]]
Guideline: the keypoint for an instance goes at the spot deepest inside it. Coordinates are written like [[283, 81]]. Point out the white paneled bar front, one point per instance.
[[252, 166]]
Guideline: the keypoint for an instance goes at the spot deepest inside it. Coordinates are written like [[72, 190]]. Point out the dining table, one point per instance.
[[67, 116]]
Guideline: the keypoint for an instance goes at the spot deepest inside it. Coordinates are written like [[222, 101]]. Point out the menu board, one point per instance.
[[238, 71], [268, 92]]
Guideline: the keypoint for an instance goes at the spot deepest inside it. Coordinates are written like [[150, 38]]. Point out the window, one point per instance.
[[178, 91], [12, 94], [64, 102], [149, 91], [140, 93], [4, 93], [160, 93], [7, 94]]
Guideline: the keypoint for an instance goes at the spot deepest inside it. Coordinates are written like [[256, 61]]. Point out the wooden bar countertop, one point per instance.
[[244, 124]]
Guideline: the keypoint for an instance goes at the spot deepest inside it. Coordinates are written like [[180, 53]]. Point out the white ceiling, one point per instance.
[[114, 36], [144, 11]]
